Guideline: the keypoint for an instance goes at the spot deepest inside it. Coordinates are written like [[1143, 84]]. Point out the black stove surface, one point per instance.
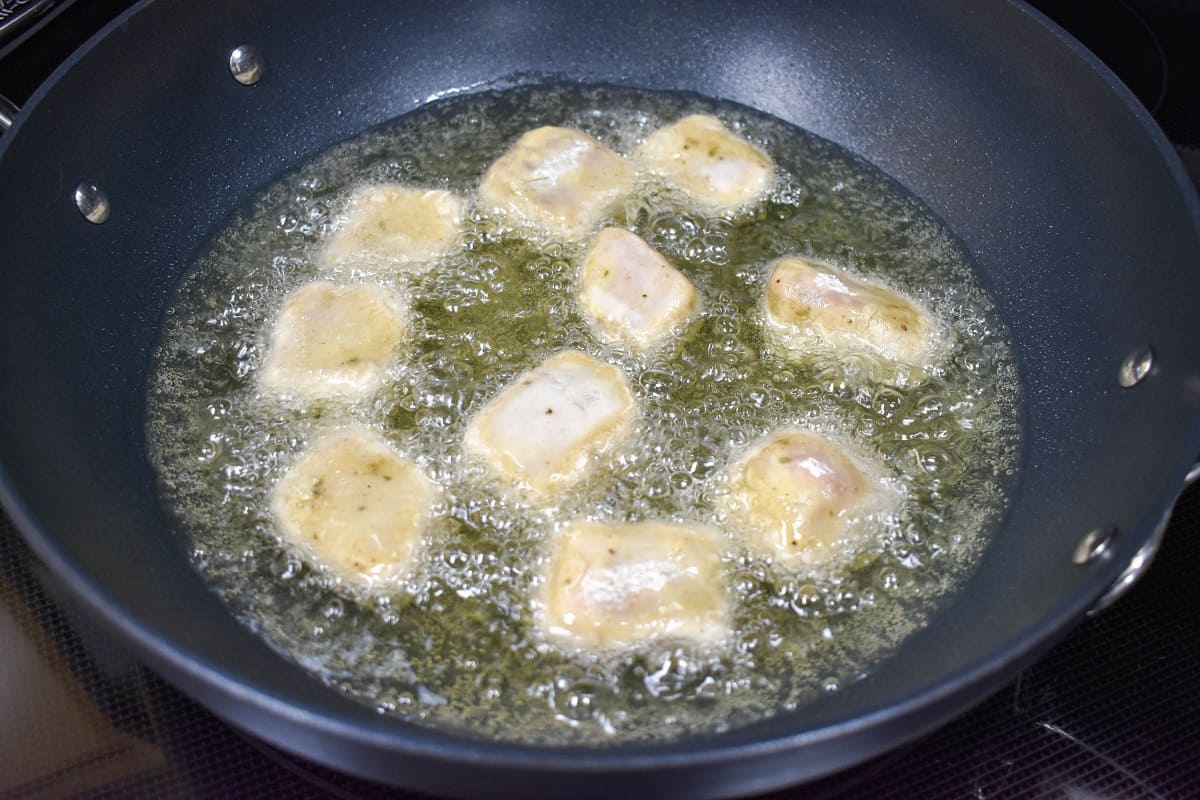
[[1111, 712]]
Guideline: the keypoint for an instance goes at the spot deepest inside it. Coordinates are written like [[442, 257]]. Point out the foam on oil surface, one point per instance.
[[459, 648]]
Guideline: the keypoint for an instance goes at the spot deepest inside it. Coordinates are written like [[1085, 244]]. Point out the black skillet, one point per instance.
[[1054, 179]]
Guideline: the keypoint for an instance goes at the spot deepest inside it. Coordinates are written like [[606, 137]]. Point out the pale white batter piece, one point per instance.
[[698, 155], [805, 499], [544, 430], [631, 293], [354, 506], [617, 585], [818, 307], [557, 180], [393, 227], [332, 341]]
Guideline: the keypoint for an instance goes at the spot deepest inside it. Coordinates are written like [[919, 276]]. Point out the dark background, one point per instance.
[[1111, 712]]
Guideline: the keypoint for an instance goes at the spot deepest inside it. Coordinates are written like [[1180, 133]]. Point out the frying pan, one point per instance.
[[1056, 182]]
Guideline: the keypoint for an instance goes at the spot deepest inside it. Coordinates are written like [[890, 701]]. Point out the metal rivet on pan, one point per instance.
[[1097, 544], [1136, 366], [246, 64], [91, 202]]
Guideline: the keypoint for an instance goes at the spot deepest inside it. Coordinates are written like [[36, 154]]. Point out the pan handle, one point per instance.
[[8, 113], [1142, 559]]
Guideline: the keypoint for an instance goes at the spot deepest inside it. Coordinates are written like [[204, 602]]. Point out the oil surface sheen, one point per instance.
[[458, 648]]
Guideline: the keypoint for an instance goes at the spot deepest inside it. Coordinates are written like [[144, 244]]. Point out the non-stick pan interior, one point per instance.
[[1043, 166]]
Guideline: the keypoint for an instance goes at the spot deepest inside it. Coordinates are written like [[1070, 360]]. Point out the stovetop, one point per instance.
[[1111, 712]]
